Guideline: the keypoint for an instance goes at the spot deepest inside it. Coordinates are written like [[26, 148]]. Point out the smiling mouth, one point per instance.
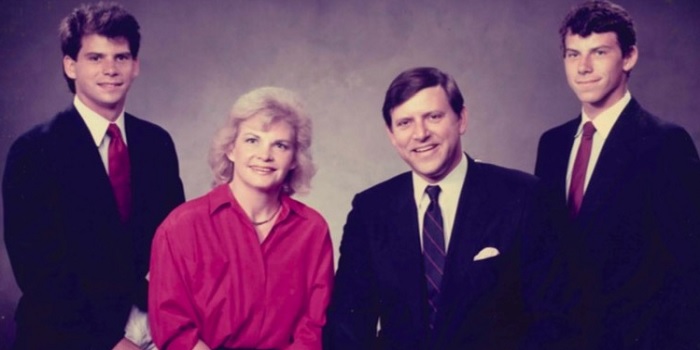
[[587, 82], [262, 170], [110, 85], [424, 149]]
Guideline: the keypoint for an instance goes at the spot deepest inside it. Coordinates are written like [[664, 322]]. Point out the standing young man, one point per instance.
[[629, 184], [83, 194]]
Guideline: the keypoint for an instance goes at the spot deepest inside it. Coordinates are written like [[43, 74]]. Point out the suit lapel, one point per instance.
[[82, 172], [401, 246], [617, 153], [560, 158]]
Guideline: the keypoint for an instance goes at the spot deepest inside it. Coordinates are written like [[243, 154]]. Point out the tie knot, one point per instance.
[[433, 192], [113, 131], [588, 130]]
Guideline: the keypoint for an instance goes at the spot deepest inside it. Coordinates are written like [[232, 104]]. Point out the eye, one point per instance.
[[435, 116], [402, 122], [601, 52], [93, 58], [250, 140], [282, 146], [571, 54], [123, 57]]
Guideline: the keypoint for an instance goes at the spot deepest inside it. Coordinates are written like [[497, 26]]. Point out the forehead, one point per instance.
[[577, 42], [100, 43], [261, 123], [426, 100]]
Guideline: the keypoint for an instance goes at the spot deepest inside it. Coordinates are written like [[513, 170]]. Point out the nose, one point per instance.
[[109, 67], [584, 65], [421, 132], [265, 153]]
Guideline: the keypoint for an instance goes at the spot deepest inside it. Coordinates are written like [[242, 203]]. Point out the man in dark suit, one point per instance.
[[628, 185], [462, 288], [83, 194]]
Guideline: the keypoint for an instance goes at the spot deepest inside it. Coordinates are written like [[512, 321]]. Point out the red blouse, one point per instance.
[[212, 279]]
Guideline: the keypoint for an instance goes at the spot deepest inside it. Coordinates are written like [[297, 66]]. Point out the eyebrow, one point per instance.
[[605, 46]]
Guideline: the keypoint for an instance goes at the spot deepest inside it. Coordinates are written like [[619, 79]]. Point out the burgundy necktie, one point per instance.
[[119, 171], [433, 251], [578, 173]]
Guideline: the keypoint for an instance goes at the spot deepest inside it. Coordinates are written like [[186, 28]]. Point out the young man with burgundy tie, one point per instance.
[[442, 257], [628, 185], [83, 194]]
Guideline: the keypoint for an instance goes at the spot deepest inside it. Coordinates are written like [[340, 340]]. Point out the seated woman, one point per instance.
[[246, 266]]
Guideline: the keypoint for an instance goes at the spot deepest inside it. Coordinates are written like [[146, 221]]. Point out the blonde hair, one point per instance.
[[276, 104]]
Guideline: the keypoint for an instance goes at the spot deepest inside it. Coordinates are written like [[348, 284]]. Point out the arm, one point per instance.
[[35, 238], [675, 201], [354, 309], [307, 334], [172, 315]]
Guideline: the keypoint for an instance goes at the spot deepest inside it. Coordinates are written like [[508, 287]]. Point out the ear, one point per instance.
[[630, 60], [69, 67], [391, 135], [463, 120], [137, 68], [230, 156]]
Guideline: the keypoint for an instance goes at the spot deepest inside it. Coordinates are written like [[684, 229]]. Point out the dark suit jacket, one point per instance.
[[79, 267], [380, 272], [633, 253]]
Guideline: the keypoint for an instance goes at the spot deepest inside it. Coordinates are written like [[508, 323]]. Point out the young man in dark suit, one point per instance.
[[628, 185], [441, 256], [83, 194]]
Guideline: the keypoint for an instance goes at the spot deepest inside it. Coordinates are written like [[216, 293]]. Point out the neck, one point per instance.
[[258, 205]]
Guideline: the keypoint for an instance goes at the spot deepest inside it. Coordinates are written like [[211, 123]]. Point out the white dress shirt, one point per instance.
[[450, 190], [603, 123]]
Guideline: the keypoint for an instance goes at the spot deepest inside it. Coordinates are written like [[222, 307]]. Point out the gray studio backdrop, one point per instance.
[[198, 56]]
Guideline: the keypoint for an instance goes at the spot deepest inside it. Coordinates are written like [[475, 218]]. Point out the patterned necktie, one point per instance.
[[119, 171], [578, 173], [433, 251]]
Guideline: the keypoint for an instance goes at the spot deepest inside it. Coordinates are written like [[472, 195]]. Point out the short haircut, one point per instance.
[[104, 18], [411, 81], [275, 104], [600, 16]]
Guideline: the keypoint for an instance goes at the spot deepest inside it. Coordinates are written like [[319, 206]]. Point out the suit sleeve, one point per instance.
[[675, 199], [307, 335], [34, 237], [354, 308]]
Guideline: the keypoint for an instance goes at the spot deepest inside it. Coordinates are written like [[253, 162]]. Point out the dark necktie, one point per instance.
[[119, 171], [578, 173], [433, 251]]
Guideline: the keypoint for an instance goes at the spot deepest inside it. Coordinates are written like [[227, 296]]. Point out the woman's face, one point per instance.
[[263, 154]]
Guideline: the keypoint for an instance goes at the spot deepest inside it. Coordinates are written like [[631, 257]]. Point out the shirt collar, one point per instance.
[[222, 196], [604, 121], [96, 123], [451, 184]]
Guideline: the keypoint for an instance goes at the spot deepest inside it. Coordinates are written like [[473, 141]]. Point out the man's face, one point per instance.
[[426, 133], [596, 70], [103, 72]]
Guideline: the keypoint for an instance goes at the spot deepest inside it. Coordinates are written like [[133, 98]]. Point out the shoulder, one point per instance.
[[660, 134], [188, 214], [39, 138], [307, 213], [384, 192], [561, 130], [501, 178], [141, 126]]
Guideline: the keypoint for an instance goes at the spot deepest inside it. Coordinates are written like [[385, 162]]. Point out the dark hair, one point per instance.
[[599, 16], [411, 81], [106, 19]]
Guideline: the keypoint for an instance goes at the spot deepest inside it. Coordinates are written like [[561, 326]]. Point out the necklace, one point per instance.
[[258, 223]]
